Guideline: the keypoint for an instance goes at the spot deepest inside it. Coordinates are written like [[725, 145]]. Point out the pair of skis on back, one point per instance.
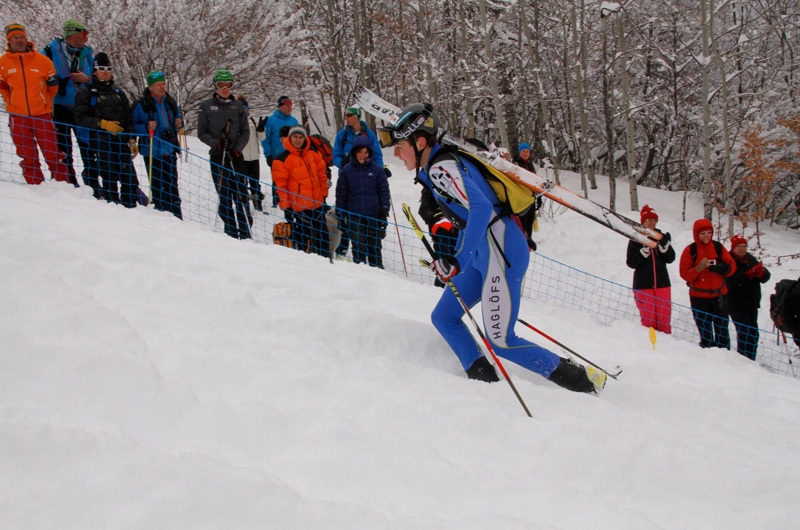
[[383, 110]]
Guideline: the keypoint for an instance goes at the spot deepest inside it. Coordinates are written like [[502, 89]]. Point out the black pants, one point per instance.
[[253, 170], [365, 234], [234, 208], [746, 323], [711, 318], [164, 184], [115, 168], [65, 125], [310, 232]]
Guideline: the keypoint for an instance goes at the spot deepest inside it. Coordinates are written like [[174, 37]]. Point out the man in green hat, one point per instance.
[[158, 112], [222, 125], [74, 67]]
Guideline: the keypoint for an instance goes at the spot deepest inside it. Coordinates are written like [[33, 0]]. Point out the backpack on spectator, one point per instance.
[[282, 234], [322, 145], [783, 306]]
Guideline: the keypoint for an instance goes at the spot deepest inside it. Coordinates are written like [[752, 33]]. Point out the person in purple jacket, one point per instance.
[[362, 202]]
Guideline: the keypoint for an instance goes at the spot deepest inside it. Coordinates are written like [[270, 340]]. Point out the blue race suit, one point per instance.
[[492, 254]]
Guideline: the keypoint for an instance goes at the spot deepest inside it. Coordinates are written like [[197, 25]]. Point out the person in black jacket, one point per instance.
[[652, 289], [525, 161], [744, 296], [222, 125], [104, 108]]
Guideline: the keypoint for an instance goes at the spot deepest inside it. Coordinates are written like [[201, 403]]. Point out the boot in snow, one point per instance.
[[577, 378], [482, 370]]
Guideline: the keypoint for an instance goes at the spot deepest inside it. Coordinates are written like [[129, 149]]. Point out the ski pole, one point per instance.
[[464, 306], [150, 165], [570, 350], [786, 348], [397, 228]]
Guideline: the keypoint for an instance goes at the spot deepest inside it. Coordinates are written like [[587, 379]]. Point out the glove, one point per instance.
[[383, 213], [134, 148], [235, 153], [269, 161], [329, 182], [262, 123], [645, 251], [445, 268], [663, 244], [388, 173], [756, 271], [719, 268], [288, 215], [382, 226], [111, 126]]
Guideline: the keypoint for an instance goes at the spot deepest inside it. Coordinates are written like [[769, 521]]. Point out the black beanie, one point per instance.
[[101, 59]]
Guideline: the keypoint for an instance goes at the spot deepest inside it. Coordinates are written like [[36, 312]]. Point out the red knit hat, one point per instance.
[[737, 240], [648, 213]]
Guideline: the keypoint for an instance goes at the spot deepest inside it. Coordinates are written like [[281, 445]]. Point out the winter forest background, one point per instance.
[[686, 94]]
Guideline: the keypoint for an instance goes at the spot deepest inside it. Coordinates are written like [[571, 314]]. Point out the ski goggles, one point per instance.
[[223, 84], [388, 137]]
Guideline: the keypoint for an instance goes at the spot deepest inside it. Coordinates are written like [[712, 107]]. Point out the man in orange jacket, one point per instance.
[[704, 265], [28, 84], [299, 174]]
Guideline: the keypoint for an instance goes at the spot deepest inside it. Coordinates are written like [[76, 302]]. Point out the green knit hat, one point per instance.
[[156, 76], [354, 110], [73, 27]]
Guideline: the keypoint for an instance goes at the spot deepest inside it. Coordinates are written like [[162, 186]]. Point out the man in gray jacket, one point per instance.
[[222, 125]]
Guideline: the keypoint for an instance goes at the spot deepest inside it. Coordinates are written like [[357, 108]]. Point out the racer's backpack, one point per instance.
[[780, 305], [321, 145], [514, 195]]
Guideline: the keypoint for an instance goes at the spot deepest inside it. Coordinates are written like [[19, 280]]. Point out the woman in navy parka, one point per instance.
[[362, 198]]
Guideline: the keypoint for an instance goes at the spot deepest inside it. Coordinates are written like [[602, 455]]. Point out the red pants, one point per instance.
[[27, 132], [655, 308]]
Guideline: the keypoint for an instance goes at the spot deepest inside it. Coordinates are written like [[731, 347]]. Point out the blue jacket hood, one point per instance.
[[362, 140]]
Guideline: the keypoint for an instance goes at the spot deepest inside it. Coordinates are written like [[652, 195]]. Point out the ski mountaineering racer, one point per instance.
[[490, 261]]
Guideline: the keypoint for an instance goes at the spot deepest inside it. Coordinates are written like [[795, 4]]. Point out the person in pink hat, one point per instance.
[[744, 296], [652, 289]]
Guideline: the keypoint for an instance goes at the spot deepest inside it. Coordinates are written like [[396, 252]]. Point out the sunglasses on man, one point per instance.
[[102, 68]]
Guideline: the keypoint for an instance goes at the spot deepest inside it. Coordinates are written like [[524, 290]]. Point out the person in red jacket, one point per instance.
[[704, 265], [302, 182], [28, 84]]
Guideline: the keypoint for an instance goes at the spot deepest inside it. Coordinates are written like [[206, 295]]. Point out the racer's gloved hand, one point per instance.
[[445, 268]]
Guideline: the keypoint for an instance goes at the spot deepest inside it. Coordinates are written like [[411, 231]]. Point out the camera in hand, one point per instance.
[[170, 136]]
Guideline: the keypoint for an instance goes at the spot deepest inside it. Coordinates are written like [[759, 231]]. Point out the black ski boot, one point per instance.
[[574, 377], [482, 370], [258, 201]]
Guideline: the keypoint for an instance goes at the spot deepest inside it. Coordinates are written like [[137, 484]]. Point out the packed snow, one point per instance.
[[157, 374]]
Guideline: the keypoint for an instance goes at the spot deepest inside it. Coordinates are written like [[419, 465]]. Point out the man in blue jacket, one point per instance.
[[342, 147], [74, 67], [490, 259], [272, 144], [158, 112]]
